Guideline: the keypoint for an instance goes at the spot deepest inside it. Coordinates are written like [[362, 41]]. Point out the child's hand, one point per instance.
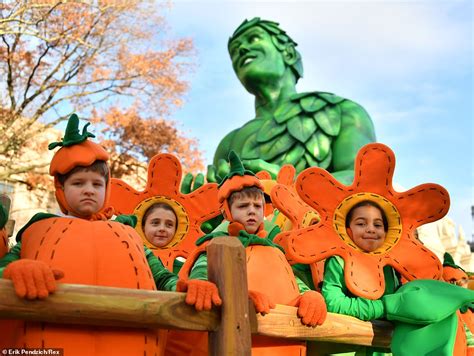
[[201, 294], [311, 308], [32, 279], [261, 301]]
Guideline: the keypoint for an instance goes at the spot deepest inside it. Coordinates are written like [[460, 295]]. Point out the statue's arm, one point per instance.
[[222, 151], [357, 130]]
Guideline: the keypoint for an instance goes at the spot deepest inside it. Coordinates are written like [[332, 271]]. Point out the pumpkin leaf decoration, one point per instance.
[[72, 135], [448, 261]]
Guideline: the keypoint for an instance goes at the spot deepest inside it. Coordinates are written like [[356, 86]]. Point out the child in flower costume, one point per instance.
[[270, 278], [84, 247], [423, 310]]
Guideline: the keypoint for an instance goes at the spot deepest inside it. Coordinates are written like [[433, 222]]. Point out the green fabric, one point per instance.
[[303, 272], [424, 314], [130, 220], [340, 300], [236, 168], [426, 301], [199, 270], [3, 216], [164, 279], [469, 336], [448, 261], [435, 339], [71, 135], [244, 237], [11, 256], [35, 218], [177, 265]]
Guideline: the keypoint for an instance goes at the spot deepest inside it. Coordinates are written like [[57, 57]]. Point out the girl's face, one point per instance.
[[160, 227], [366, 228]]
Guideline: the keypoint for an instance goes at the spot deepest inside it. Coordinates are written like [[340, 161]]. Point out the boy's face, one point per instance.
[[366, 228], [160, 227], [248, 211], [84, 193]]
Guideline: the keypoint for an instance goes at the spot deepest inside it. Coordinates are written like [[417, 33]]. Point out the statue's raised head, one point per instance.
[[282, 42]]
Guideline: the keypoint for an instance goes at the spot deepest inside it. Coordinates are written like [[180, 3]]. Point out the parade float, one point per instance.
[[315, 156]]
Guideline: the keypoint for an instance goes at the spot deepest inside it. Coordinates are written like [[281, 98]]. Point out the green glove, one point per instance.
[[425, 301]]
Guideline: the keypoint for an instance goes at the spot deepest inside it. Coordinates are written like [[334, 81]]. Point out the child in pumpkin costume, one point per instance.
[[85, 247], [270, 278], [454, 274]]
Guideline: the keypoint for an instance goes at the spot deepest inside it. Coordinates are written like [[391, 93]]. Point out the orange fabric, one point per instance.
[[311, 308], [66, 158], [201, 294], [460, 344], [373, 174], [297, 211], [235, 184], [186, 343], [451, 273], [164, 179], [3, 242], [235, 227], [262, 302], [102, 253], [283, 290], [32, 279]]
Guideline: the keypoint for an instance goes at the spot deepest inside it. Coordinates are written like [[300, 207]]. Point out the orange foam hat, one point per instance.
[[363, 271], [75, 151]]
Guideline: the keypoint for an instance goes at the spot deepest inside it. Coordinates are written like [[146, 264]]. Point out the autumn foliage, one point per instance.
[[106, 60]]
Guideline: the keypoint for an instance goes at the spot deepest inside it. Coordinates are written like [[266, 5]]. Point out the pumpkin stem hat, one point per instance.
[[451, 271], [76, 150], [237, 179]]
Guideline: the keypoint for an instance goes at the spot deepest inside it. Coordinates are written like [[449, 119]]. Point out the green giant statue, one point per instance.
[[304, 129]]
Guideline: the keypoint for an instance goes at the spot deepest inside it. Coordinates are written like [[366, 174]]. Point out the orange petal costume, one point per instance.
[[91, 251], [405, 211], [193, 209]]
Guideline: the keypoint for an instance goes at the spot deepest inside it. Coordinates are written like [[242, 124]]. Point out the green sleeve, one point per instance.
[[164, 279], [339, 299], [199, 270], [12, 255], [303, 272], [302, 287]]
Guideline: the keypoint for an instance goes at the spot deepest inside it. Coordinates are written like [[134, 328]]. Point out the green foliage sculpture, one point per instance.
[[303, 129]]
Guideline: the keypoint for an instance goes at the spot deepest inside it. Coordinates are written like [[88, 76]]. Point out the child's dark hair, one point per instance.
[[367, 203], [155, 206], [250, 192], [98, 166]]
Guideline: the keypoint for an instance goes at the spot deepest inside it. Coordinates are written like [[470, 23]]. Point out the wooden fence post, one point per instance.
[[227, 268]]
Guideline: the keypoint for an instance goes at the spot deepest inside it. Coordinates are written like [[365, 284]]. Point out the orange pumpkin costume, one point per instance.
[[264, 260], [91, 251]]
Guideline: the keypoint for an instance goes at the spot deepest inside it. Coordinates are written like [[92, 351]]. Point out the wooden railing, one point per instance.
[[230, 326]]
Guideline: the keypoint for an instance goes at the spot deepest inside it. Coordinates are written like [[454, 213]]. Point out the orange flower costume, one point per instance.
[[423, 310], [405, 211], [193, 209]]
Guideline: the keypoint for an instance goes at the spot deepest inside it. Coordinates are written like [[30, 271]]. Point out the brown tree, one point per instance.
[[102, 59]]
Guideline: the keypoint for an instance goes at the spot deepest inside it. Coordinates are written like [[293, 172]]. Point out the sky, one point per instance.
[[408, 63]]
